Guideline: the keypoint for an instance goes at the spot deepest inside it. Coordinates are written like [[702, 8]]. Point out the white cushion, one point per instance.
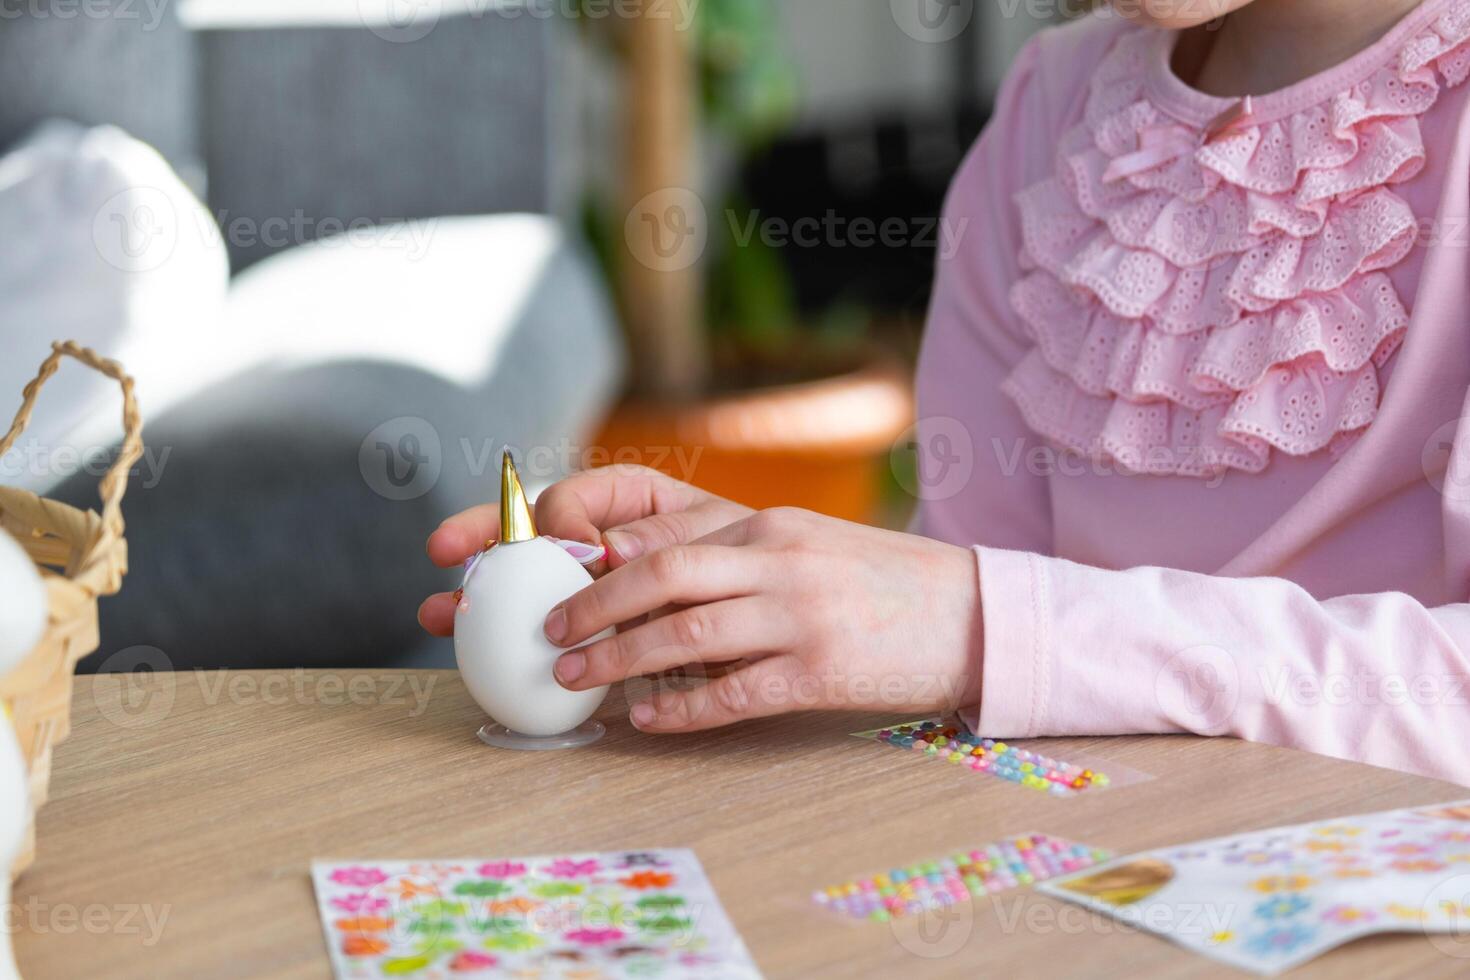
[[109, 248]]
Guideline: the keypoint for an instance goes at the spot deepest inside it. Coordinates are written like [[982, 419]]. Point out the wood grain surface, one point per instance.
[[186, 810]]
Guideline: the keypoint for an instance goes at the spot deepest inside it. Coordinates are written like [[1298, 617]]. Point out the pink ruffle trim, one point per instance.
[[1193, 314]]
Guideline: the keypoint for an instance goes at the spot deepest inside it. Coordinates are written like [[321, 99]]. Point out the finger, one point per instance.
[[680, 575], [463, 535], [755, 691], [576, 508], [579, 507], [436, 614], [631, 541], [710, 632]]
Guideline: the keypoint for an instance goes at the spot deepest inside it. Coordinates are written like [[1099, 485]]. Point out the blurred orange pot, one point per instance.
[[819, 444]]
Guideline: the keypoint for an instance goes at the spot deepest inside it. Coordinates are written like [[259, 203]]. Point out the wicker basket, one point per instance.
[[81, 555]]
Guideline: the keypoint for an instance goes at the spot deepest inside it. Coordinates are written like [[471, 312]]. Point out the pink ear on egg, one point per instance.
[[586, 554]]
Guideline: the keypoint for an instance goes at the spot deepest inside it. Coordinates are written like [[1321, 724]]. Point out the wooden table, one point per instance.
[[200, 799]]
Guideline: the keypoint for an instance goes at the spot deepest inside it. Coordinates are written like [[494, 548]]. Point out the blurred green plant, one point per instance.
[[748, 95]]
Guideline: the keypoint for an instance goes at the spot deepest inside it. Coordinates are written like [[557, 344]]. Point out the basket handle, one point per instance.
[[115, 482]]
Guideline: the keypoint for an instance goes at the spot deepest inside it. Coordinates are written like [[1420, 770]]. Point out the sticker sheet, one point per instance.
[[950, 741], [1010, 863], [576, 916], [1275, 899]]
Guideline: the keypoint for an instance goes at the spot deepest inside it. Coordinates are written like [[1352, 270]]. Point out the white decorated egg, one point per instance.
[[22, 604], [503, 654], [22, 620]]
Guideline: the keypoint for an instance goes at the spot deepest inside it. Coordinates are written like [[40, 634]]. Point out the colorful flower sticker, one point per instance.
[[1257, 856], [595, 937], [364, 923], [1282, 883], [469, 962], [359, 877], [502, 869], [365, 946], [1283, 907], [1348, 915], [515, 906], [360, 903], [409, 888], [648, 879], [488, 888], [642, 859], [564, 868], [514, 941], [557, 889], [1421, 866]]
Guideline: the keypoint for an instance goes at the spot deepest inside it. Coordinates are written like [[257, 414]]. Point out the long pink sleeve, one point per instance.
[[1086, 651]]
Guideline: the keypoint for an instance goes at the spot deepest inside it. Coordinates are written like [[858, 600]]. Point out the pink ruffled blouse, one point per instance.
[[1193, 385]]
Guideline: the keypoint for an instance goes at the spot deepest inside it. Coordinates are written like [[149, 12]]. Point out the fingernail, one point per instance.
[[556, 624], [643, 714], [571, 667], [626, 545]]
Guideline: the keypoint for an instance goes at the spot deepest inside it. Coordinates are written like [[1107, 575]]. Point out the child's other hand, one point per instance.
[[632, 510], [808, 611]]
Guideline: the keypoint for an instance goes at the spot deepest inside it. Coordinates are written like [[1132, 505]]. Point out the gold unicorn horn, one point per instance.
[[515, 511]]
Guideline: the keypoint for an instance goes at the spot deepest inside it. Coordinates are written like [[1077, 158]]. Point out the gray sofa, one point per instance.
[[287, 527]]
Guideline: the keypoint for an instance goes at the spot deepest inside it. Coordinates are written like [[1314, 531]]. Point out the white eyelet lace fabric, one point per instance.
[[1199, 299]]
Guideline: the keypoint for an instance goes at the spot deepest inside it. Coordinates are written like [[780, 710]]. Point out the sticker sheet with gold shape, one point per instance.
[[1275, 899]]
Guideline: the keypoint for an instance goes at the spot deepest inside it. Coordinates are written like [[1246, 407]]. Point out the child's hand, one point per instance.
[[818, 612], [631, 509]]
